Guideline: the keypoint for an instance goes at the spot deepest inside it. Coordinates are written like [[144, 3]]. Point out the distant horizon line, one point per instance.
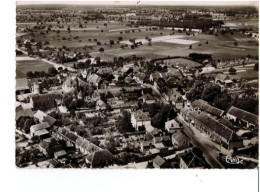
[[143, 3]]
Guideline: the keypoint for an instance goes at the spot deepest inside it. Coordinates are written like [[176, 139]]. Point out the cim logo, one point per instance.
[[233, 160]]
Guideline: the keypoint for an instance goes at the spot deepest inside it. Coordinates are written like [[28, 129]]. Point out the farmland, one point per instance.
[[164, 41], [23, 66]]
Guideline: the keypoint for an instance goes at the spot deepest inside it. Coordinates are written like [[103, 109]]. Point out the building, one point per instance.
[[205, 106], [45, 101], [148, 99], [172, 126], [218, 132], [140, 118], [192, 160], [34, 129], [159, 162], [174, 96], [180, 140], [243, 117], [100, 159]]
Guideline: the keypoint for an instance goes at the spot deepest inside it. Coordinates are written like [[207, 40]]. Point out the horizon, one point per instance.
[[142, 3]]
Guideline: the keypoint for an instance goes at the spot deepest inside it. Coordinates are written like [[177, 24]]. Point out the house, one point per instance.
[[222, 78], [43, 117], [159, 162], [180, 140], [38, 127], [140, 118], [94, 79], [60, 154], [145, 146], [140, 78], [54, 163], [185, 113], [101, 105], [63, 109], [174, 96], [24, 113], [155, 76], [148, 99], [45, 101], [192, 160], [205, 106], [69, 85], [100, 158], [172, 126], [243, 117]]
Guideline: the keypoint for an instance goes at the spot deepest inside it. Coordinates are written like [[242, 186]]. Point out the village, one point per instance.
[[107, 105]]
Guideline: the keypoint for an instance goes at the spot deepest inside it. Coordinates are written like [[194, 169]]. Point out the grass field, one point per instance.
[[23, 66]]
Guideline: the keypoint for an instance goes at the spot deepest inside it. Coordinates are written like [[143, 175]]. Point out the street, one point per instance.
[[197, 140]]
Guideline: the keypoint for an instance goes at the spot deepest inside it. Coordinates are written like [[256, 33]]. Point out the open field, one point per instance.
[[163, 44], [23, 66]]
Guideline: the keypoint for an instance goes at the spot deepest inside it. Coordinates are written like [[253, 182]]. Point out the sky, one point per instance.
[[143, 2]]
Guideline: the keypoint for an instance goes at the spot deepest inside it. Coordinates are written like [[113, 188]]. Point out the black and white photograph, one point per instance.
[[136, 85]]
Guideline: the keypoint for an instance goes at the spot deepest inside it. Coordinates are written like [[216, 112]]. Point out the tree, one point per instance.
[[256, 67], [123, 123], [101, 50], [111, 42], [120, 38], [232, 70], [52, 71], [29, 74], [210, 91], [27, 124]]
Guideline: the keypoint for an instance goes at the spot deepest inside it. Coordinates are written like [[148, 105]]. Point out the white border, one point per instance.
[[13, 179]]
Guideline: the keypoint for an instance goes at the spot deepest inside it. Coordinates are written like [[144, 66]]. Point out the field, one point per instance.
[[163, 44], [246, 72], [23, 66]]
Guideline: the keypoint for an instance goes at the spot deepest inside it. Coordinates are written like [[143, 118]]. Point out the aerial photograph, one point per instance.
[[136, 85]]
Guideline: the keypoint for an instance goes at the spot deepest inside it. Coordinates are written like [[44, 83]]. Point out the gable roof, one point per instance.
[[94, 78], [214, 125], [203, 105], [179, 136], [99, 157], [24, 113], [243, 115], [158, 160], [39, 126], [222, 77]]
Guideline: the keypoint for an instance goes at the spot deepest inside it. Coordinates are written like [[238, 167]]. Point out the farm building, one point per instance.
[[243, 117]]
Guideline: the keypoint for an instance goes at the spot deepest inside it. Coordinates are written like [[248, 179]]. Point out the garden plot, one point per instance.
[[165, 39]]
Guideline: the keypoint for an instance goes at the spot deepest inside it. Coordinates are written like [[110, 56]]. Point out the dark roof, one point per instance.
[[212, 124], [243, 115], [205, 106], [192, 160], [45, 101], [100, 157], [54, 162]]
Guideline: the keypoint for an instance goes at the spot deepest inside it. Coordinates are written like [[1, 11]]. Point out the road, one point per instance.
[[197, 140]]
